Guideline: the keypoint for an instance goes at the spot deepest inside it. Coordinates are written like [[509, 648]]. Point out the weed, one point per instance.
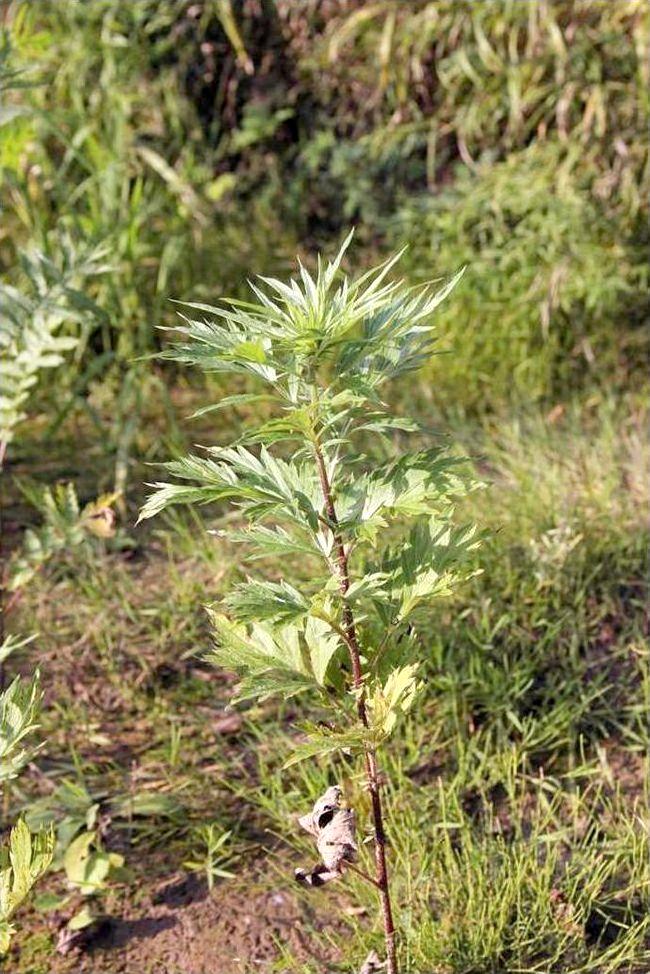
[[209, 854], [323, 349]]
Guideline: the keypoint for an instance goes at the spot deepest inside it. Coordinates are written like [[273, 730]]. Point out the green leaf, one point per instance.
[[166, 495], [366, 586], [18, 719], [22, 863], [7, 930], [86, 867], [287, 659], [76, 857], [48, 902], [242, 399], [82, 918], [322, 643], [271, 683], [270, 661], [416, 484], [430, 563], [260, 484], [149, 804], [20, 856], [380, 422], [384, 703], [266, 542], [397, 334], [256, 648], [321, 742], [275, 601], [13, 642]]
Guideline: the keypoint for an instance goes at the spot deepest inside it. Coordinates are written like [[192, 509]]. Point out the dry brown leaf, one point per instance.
[[372, 964], [333, 828]]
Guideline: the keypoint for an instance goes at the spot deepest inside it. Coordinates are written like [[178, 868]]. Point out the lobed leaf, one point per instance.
[[276, 601], [286, 659]]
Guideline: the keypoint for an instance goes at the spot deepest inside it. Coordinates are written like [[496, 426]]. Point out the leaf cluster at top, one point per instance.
[[347, 336]]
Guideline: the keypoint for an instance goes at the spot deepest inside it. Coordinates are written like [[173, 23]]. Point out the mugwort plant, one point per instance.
[[322, 484]]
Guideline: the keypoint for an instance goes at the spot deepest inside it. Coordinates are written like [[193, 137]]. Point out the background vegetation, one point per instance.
[[165, 149]]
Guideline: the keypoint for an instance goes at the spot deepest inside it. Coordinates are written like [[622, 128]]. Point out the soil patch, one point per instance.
[[181, 928]]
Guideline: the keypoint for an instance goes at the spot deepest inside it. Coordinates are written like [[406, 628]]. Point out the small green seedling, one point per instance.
[[209, 854], [319, 485]]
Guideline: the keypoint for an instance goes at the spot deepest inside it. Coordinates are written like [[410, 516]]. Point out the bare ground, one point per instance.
[[180, 928]]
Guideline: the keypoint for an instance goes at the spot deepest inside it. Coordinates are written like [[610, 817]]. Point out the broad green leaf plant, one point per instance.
[[321, 484]]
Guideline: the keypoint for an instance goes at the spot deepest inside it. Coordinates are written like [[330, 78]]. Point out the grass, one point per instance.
[[517, 799], [550, 274]]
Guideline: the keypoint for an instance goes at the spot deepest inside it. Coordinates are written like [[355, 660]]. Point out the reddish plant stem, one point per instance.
[[372, 773]]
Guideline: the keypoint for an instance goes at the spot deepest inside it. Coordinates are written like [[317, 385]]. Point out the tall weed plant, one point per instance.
[[376, 527]]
